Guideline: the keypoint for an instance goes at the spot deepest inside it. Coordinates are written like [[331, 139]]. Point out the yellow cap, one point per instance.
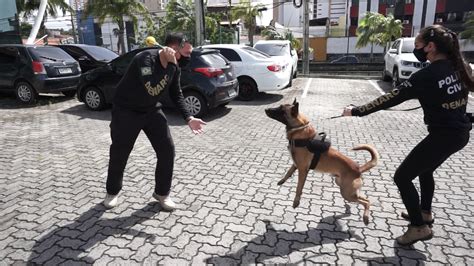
[[150, 41]]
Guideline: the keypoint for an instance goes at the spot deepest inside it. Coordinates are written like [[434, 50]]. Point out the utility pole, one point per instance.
[[73, 27], [305, 37], [199, 22]]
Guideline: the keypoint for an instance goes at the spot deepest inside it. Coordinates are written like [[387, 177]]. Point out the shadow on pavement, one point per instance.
[[8, 101], [267, 245], [173, 115], [268, 242], [71, 241], [262, 98]]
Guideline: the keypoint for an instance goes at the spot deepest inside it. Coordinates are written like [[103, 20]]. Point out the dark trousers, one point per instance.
[[422, 161], [124, 129]]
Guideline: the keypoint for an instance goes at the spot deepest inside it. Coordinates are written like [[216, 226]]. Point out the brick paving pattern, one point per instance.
[[54, 159]]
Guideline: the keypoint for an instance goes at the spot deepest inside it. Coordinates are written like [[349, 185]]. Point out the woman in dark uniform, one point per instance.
[[442, 89]]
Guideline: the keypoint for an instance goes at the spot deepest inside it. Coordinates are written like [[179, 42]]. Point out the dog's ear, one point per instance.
[[295, 102], [294, 109]]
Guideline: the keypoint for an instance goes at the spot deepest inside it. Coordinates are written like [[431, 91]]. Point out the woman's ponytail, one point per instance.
[[460, 65]]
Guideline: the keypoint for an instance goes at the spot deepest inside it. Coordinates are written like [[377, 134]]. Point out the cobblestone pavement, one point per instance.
[[54, 159]]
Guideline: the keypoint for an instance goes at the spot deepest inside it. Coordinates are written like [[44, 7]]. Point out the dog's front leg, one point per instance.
[[288, 174], [302, 174]]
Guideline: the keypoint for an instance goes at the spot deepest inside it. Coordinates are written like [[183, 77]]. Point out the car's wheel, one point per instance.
[[396, 78], [247, 89], [94, 98], [25, 93], [195, 103], [385, 76], [69, 93]]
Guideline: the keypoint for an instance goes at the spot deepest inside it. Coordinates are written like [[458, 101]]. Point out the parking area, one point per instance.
[[54, 158]]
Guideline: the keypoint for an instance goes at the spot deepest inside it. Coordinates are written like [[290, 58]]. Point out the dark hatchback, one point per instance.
[[31, 69], [207, 82], [89, 56]]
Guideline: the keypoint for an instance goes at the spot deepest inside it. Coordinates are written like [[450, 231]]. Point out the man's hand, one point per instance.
[[169, 55], [348, 110], [196, 125]]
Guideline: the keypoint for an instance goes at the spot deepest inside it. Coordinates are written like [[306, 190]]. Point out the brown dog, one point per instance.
[[347, 172]]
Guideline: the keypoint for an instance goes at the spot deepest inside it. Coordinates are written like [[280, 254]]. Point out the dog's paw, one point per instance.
[[296, 203]]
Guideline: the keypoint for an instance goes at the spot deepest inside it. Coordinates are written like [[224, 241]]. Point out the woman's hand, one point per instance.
[[348, 110]]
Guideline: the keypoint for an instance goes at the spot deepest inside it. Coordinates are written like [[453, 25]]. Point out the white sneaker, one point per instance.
[[165, 202], [110, 201]]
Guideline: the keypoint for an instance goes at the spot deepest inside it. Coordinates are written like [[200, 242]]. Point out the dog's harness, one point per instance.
[[317, 145]]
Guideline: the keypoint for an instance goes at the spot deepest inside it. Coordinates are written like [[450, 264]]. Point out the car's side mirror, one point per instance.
[[392, 51]]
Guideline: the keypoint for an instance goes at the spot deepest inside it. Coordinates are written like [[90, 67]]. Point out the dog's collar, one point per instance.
[[291, 130]]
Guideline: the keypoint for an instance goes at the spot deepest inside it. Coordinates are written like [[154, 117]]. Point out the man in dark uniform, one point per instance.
[[136, 107]]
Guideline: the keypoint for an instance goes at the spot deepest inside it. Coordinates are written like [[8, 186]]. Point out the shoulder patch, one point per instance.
[[146, 71]]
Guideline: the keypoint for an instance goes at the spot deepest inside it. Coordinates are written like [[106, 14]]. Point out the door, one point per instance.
[[9, 66], [390, 57], [234, 58]]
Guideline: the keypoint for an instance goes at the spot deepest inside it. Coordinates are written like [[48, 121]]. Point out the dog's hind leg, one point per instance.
[[288, 174], [366, 203], [299, 188]]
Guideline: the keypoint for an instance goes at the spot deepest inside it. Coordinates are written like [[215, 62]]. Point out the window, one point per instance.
[[230, 54], [408, 1], [254, 52], [214, 60], [273, 49], [49, 54], [8, 55]]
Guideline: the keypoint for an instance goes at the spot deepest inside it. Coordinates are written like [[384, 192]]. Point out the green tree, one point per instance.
[[180, 17], [270, 33], [26, 8], [468, 33], [116, 11], [248, 12], [377, 29]]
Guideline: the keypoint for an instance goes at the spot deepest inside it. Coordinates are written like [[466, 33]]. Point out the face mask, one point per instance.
[[184, 61], [420, 54]]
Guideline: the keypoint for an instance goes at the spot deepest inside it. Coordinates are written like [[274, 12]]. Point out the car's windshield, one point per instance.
[[100, 53], [214, 59], [408, 46], [255, 53], [49, 54], [273, 49]]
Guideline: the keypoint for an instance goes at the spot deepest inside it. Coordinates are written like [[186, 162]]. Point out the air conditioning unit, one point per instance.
[[439, 20], [406, 21]]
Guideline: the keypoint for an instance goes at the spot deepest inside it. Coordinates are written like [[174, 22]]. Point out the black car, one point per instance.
[[207, 82], [31, 69], [89, 56]]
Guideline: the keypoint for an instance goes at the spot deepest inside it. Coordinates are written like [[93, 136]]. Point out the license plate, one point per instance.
[[232, 93], [65, 71]]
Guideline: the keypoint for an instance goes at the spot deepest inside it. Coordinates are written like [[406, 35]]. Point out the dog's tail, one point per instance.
[[373, 153]]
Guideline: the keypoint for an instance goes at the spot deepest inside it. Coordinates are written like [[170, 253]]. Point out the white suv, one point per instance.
[[400, 62]]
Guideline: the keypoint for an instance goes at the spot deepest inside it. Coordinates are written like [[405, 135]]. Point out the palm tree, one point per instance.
[[180, 18], [468, 33], [116, 11], [247, 12], [27, 7], [375, 28]]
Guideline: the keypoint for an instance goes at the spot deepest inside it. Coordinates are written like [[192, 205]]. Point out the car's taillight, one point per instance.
[[38, 67], [209, 71], [274, 68]]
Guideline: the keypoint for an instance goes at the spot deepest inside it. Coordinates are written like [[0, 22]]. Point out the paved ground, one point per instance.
[[54, 159]]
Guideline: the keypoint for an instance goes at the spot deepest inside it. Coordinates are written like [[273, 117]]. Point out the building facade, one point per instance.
[[9, 23]]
